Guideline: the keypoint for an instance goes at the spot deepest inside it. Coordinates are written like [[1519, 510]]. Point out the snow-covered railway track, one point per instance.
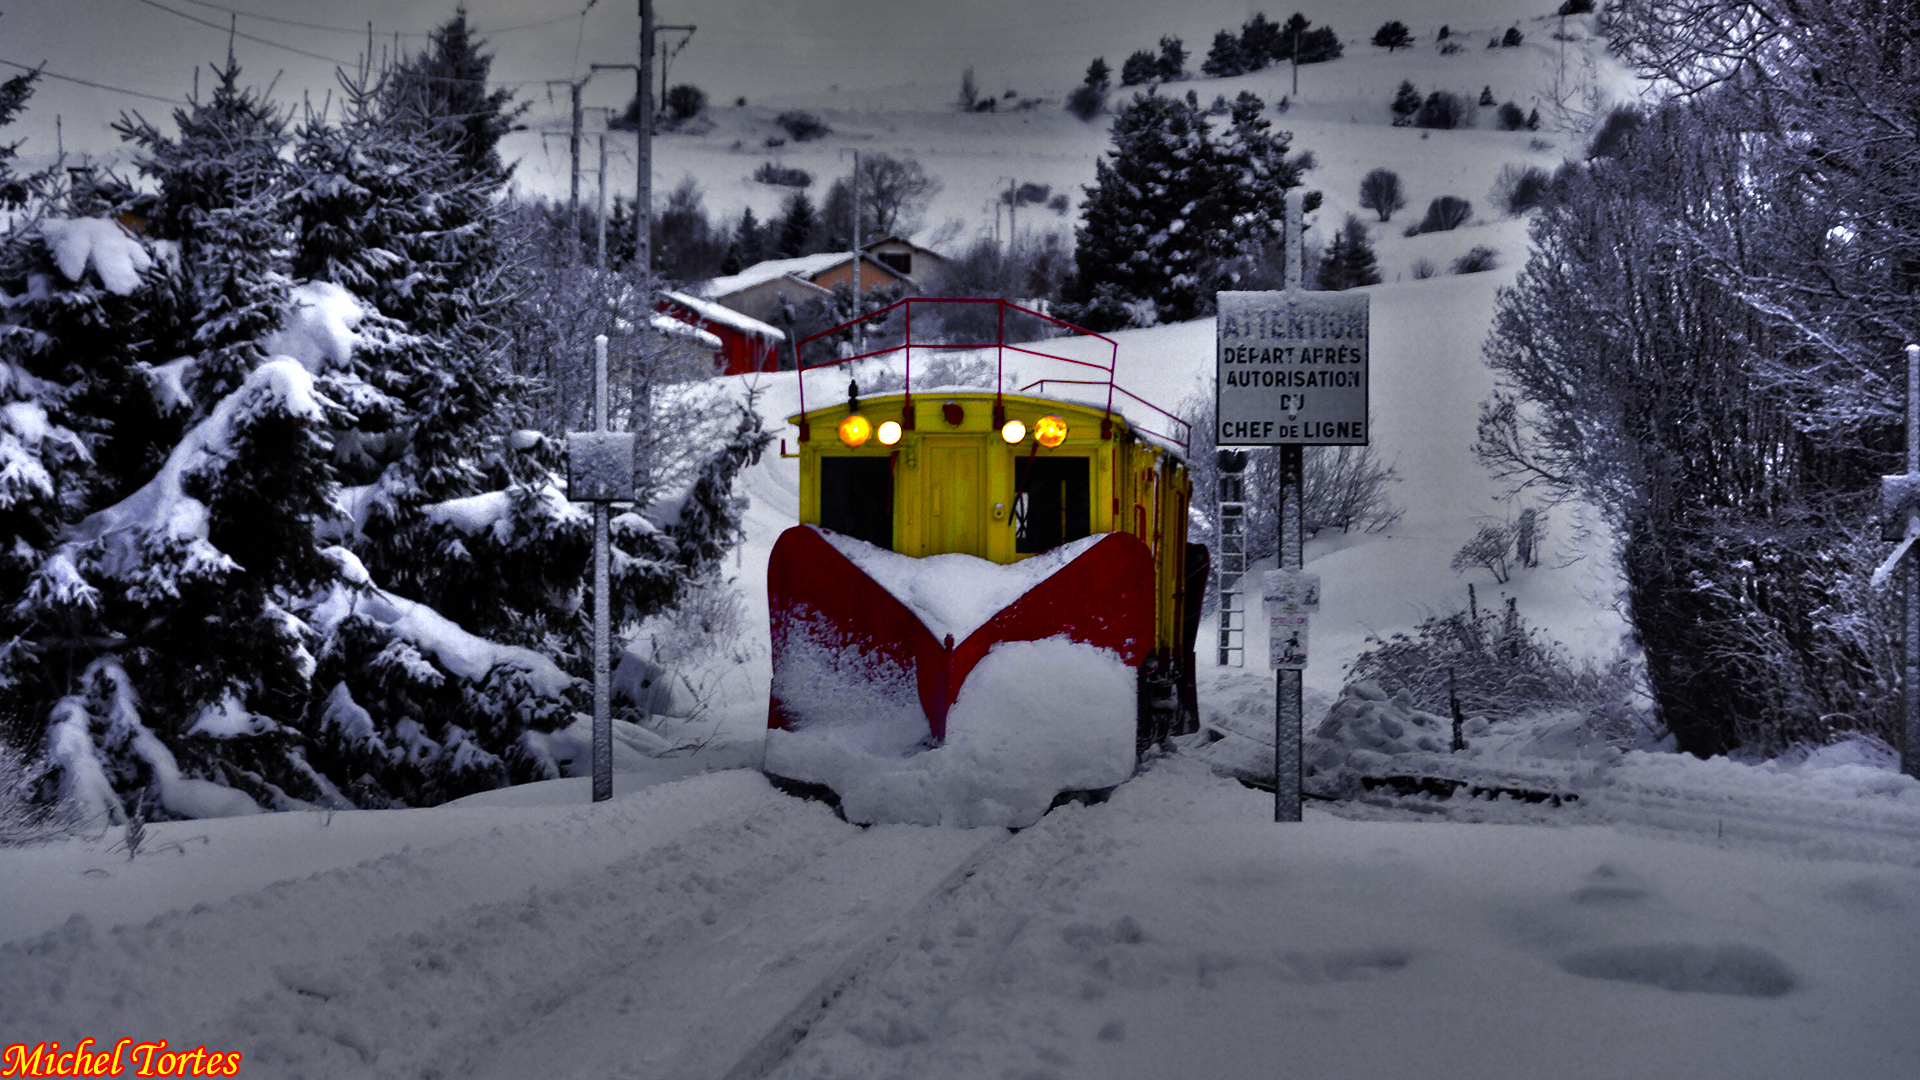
[[1819, 828], [1632, 795], [675, 956]]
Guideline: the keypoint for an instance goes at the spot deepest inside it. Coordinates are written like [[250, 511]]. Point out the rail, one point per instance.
[[1001, 347]]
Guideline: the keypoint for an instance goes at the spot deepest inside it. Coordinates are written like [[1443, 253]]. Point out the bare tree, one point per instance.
[[1380, 192], [896, 190]]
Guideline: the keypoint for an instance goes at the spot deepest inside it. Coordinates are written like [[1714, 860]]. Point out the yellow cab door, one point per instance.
[[956, 493]]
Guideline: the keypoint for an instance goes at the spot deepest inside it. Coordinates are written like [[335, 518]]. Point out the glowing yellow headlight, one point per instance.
[[855, 430], [1013, 431], [889, 432], [1050, 431]]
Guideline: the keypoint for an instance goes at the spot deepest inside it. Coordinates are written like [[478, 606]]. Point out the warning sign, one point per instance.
[[1292, 369]]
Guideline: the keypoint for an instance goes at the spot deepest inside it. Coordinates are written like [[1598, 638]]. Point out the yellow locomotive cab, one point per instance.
[[1053, 477]]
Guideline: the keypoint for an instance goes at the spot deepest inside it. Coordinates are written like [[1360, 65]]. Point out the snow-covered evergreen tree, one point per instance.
[[444, 86], [1139, 67], [1172, 206], [274, 538], [794, 232], [1226, 58], [1348, 261]]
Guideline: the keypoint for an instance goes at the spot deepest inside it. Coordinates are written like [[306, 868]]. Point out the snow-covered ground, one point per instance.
[[710, 926], [1673, 918]]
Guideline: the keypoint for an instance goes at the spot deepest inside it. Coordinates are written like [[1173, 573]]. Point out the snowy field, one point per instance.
[[1674, 918], [706, 927]]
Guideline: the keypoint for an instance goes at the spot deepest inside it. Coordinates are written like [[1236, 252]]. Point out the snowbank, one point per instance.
[[1034, 718]]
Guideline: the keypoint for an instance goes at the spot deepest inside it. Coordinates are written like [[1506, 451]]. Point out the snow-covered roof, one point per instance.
[[803, 267], [724, 316], [801, 270], [667, 324]]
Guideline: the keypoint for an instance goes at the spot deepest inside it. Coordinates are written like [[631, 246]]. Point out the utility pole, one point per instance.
[[859, 329], [644, 130], [1013, 221], [600, 198], [600, 471], [573, 152], [573, 176], [600, 209], [643, 166], [1296, 61], [666, 56]]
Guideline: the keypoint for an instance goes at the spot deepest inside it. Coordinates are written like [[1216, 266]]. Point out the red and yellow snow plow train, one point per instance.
[[1002, 476]]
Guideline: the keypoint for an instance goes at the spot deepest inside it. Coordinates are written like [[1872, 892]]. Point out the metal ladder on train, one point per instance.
[[1230, 566]]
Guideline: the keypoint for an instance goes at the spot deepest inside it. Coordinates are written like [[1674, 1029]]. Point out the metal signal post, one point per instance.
[[600, 471], [1291, 373], [1287, 707]]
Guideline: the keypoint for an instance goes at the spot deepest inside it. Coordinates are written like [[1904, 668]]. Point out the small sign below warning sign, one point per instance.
[[1287, 641]]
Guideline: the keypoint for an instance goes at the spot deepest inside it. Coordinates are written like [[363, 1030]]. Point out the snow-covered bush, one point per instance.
[[782, 175], [1445, 110], [1392, 35], [685, 101], [1382, 193], [1491, 549], [1477, 260], [1342, 487], [802, 126], [1500, 667], [24, 817], [1087, 101], [1519, 188], [1443, 214]]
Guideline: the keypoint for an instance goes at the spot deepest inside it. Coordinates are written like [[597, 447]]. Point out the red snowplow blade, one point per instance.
[[1104, 597]]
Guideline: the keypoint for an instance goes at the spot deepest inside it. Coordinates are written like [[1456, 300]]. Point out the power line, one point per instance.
[[331, 59], [95, 85], [361, 31], [358, 32], [242, 34]]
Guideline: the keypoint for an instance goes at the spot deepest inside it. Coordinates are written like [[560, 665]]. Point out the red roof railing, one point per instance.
[[1001, 347]]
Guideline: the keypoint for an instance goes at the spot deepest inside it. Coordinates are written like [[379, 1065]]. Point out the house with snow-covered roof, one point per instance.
[[776, 290], [740, 343], [925, 266]]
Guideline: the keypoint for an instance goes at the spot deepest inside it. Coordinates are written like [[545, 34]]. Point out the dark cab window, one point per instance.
[[856, 498], [1053, 503]]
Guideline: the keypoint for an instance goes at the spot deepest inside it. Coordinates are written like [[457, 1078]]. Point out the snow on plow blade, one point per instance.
[[822, 600]]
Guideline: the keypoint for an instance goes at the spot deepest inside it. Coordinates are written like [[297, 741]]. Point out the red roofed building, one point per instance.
[[746, 343]]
